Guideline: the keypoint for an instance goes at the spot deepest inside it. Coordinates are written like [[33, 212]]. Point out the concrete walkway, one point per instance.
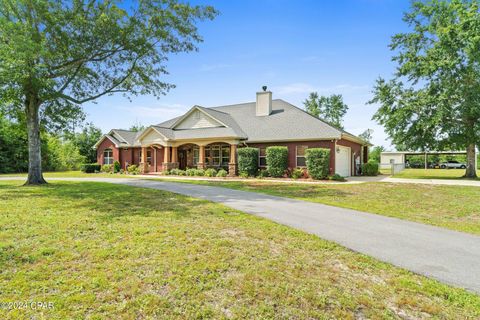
[[448, 256], [446, 182]]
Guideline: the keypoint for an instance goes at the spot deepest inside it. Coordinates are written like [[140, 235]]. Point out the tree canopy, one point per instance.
[[56, 55], [332, 109], [432, 101], [367, 135]]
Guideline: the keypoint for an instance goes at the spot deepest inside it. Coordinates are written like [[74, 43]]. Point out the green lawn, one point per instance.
[[432, 174], [452, 207], [103, 251], [72, 174]]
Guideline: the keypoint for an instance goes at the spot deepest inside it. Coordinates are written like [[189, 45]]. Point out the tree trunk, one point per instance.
[[35, 175], [471, 171]]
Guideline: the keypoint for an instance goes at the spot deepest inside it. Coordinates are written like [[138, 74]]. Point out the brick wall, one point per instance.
[[292, 149], [329, 144], [107, 144]]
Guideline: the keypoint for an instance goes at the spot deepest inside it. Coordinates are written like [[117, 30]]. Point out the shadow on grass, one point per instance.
[[109, 200]]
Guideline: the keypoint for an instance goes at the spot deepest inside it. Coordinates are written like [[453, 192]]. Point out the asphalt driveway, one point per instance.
[[448, 256]]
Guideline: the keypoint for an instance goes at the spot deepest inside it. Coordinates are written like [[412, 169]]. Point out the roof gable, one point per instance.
[[197, 118]]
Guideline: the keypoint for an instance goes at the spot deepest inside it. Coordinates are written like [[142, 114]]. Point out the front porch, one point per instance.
[[218, 155]]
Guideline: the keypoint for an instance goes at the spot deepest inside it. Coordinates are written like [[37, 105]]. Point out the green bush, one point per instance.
[[199, 172], [210, 172], [318, 162], [133, 169], [90, 167], [262, 173], [337, 177], [222, 173], [277, 161], [176, 172], [243, 175], [116, 166], [297, 173], [108, 168], [190, 172], [247, 161], [370, 169]]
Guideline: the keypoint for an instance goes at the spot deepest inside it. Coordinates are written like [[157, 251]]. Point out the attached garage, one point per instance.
[[343, 161]]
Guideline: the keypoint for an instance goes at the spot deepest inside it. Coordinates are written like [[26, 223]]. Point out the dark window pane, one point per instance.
[[263, 162], [301, 162]]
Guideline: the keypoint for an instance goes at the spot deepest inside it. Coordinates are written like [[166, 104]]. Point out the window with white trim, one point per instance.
[[225, 155], [262, 157], [149, 157], [108, 156], [215, 155], [196, 154], [301, 159]]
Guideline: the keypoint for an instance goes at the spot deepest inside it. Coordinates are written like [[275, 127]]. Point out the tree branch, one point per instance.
[[110, 90]]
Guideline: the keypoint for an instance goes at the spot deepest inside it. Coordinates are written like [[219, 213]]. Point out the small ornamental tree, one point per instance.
[[247, 161], [318, 162], [277, 161]]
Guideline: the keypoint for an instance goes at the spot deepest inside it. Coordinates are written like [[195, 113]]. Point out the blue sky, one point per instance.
[[293, 47]]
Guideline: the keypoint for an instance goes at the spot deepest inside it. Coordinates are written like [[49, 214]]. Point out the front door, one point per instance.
[[182, 159], [343, 161]]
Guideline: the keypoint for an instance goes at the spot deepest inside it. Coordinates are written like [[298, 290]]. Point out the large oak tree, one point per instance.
[[56, 55], [433, 101]]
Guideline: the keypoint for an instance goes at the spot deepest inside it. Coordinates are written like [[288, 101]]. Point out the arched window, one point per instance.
[[107, 156]]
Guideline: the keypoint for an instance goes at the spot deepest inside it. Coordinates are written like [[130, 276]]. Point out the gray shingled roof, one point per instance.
[[125, 137], [286, 122]]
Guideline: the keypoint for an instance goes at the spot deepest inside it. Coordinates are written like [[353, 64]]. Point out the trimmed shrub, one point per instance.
[[190, 172], [247, 161], [210, 172], [222, 173], [116, 166], [318, 162], [297, 173], [262, 173], [370, 169], [108, 168], [199, 172], [243, 175], [277, 161], [337, 177], [90, 167], [133, 169], [176, 172]]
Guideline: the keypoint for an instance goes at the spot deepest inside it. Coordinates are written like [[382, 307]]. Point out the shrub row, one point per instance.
[[210, 172], [318, 163]]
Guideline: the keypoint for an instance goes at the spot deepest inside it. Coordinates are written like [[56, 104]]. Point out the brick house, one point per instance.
[[209, 137]]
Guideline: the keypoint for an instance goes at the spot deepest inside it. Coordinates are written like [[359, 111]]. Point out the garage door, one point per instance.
[[343, 161]]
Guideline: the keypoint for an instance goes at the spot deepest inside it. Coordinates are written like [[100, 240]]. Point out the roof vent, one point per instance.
[[264, 103]]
